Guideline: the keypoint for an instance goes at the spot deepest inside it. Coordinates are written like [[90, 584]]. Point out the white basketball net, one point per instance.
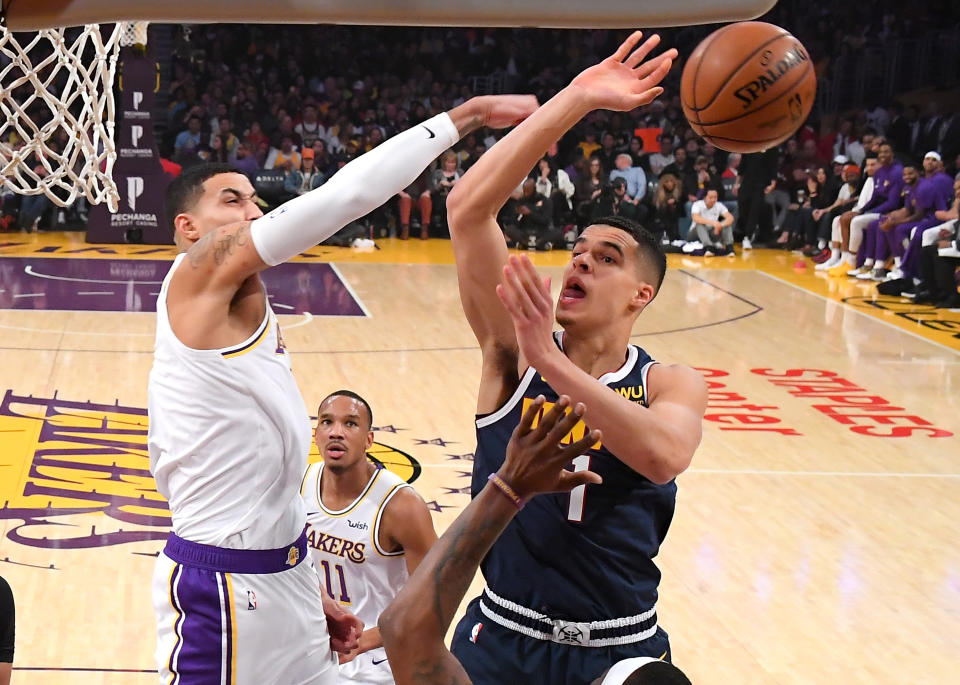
[[57, 111]]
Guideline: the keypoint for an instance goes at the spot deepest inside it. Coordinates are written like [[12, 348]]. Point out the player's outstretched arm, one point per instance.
[[225, 258], [621, 82], [414, 625]]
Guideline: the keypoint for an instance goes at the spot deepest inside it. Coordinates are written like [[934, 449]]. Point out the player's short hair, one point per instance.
[[184, 191], [351, 395], [648, 247]]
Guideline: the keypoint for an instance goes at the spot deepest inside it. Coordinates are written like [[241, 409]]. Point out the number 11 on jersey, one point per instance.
[[578, 494], [344, 597]]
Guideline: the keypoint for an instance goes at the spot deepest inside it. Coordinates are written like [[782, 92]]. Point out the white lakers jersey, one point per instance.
[[229, 436], [358, 572]]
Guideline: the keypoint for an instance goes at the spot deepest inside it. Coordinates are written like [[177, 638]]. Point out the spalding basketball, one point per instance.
[[748, 87]]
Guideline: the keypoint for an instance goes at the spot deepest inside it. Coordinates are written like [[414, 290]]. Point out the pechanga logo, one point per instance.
[[750, 91], [77, 474]]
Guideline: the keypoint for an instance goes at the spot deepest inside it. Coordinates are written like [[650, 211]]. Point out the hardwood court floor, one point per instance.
[[808, 547]]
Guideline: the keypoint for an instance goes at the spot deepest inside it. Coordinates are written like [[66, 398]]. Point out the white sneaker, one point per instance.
[[690, 247], [746, 244], [859, 271], [895, 275], [827, 265]]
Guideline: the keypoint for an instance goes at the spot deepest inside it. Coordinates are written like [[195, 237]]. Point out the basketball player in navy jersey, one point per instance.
[[367, 528], [414, 625], [236, 598], [571, 583]]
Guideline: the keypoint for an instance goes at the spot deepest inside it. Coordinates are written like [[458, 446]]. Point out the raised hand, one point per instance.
[[527, 299], [624, 81], [535, 459]]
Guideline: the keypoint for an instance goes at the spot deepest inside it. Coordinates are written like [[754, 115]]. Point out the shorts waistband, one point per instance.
[[236, 560], [618, 631]]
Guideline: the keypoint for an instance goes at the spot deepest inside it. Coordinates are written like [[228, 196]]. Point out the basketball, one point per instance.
[[748, 87]]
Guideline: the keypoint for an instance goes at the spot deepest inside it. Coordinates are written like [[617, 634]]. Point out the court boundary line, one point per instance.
[[860, 312], [353, 293], [756, 310]]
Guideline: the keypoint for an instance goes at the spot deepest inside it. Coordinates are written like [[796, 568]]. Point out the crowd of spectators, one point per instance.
[[289, 105]]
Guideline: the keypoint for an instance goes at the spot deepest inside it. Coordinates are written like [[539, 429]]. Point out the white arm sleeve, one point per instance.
[[357, 189]]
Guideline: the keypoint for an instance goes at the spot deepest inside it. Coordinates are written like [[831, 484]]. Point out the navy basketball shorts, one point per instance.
[[493, 654]]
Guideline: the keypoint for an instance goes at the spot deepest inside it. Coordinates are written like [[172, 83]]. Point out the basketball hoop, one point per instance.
[[57, 111]]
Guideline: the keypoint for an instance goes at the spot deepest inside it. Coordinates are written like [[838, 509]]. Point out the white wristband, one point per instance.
[[356, 190]]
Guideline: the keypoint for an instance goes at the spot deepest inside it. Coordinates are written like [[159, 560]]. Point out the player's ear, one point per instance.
[[185, 226], [369, 439], [642, 296]]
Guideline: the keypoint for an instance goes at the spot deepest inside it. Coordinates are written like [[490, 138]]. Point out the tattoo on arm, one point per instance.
[[199, 250], [222, 246], [226, 245]]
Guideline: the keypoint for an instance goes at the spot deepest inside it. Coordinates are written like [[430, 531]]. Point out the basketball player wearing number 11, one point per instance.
[[571, 583]]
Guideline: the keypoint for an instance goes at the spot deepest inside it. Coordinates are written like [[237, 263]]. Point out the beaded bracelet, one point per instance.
[[505, 488]]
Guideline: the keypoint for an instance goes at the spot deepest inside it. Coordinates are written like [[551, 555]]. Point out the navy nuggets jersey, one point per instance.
[[585, 555]]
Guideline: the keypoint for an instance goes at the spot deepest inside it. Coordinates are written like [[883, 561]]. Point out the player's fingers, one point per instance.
[[532, 284], [513, 291], [550, 420], [626, 46], [646, 68], [645, 98], [563, 427], [655, 75], [518, 290], [508, 302], [528, 416], [641, 53], [569, 480], [575, 449]]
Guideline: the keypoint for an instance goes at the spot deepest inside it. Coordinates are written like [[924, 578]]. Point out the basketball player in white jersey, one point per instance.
[[414, 624], [229, 433], [367, 529]]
